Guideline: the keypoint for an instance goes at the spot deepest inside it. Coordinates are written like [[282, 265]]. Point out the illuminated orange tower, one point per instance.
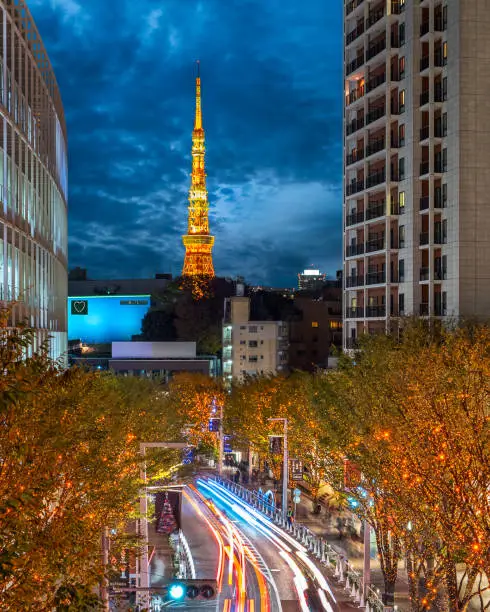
[[198, 242]]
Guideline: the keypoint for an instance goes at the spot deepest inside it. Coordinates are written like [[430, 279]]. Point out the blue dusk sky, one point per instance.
[[272, 109]]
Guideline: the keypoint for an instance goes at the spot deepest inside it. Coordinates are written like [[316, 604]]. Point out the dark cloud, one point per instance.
[[272, 111]]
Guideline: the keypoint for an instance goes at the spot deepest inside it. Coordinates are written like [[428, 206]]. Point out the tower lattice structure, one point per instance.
[[198, 242]]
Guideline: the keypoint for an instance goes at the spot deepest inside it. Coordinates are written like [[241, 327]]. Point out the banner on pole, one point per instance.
[[275, 445], [296, 469]]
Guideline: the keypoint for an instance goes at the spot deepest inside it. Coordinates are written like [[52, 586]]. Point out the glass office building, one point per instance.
[[33, 181]]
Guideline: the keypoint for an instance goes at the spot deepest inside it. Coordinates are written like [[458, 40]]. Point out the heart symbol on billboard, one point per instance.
[[79, 306]]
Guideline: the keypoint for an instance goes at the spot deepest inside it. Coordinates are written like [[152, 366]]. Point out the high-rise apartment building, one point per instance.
[[33, 181], [416, 161], [311, 280]]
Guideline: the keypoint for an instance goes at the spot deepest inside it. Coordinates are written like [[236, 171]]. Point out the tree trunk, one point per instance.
[[389, 593], [412, 585]]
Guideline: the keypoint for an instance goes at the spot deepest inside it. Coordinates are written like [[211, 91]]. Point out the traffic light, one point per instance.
[[180, 590]]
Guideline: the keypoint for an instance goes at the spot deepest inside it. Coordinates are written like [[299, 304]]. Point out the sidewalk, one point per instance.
[[347, 543]]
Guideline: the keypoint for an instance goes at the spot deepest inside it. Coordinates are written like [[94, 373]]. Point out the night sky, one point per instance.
[[271, 89]]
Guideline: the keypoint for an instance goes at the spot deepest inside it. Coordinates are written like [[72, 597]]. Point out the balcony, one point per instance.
[[354, 281], [424, 168], [424, 274], [375, 146], [440, 24], [424, 62], [376, 178], [354, 125], [375, 278], [424, 28], [439, 59], [375, 114], [375, 48], [354, 218], [354, 34], [375, 210], [397, 7], [376, 311], [355, 156], [375, 244], [424, 309], [352, 250], [375, 81], [424, 238], [352, 6], [354, 312], [439, 235], [374, 16], [439, 94], [424, 97], [354, 65], [424, 203], [439, 166], [354, 187], [354, 95], [440, 310], [396, 43], [424, 132]]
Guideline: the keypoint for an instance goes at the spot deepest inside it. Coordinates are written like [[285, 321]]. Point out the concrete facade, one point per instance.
[[416, 147], [251, 347]]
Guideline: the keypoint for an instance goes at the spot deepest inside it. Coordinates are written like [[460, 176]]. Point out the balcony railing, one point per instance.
[[352, 250], [355, 64], [352, 5], [424, 132], [355, 33], [424, 238], [375, 244], [424, 203], [375, 81], [424, 274], [354, 95], [376, 178], [424, 310], [375, 114], [355, 156], [439, 236], [354, 312], [375, 16], [354, 125], [355, 187], [376, 311], [375, 146], [375, 48], [375, 210], [353, 218], [354, 281], [439, 166], [424, 168], [375, 278]]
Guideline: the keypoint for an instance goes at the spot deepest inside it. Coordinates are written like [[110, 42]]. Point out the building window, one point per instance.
[[401, 304], [444, 89], [401, 34], [242, 342], [444, 124], [335, 325], [252, 343], [401, 271], [444, 303], [243, 327], [401, 67], [401, 202], [444, 53], [401, 237], [401, 101], [253, 358], [314, 323], [444, 267], [444, 160], [401, 135], [401, 169], [252, 329]]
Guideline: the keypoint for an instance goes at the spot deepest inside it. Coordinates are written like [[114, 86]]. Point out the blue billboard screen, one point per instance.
[[107, 318]]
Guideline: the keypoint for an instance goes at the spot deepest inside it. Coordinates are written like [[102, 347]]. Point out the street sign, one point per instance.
[[214, 424], [296, 499], [296, 469], [227, 444], [297, 492]]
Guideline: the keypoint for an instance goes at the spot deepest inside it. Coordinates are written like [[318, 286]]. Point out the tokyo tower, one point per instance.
[[198, 242]]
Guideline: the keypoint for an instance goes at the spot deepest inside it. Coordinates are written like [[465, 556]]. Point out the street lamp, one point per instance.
[[285, 470]]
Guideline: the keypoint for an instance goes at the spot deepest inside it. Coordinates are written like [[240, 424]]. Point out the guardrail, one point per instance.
[[316, 546]]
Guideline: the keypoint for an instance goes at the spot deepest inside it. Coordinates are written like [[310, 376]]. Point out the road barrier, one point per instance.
[[318, 547]]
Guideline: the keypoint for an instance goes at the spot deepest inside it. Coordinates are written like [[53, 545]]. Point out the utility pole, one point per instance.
[[366, 575], [221, 441]]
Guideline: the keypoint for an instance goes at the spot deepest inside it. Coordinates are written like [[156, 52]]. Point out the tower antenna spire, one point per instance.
[[198, 242]]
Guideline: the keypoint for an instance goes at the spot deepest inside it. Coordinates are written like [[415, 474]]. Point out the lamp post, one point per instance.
[[285, 470]]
